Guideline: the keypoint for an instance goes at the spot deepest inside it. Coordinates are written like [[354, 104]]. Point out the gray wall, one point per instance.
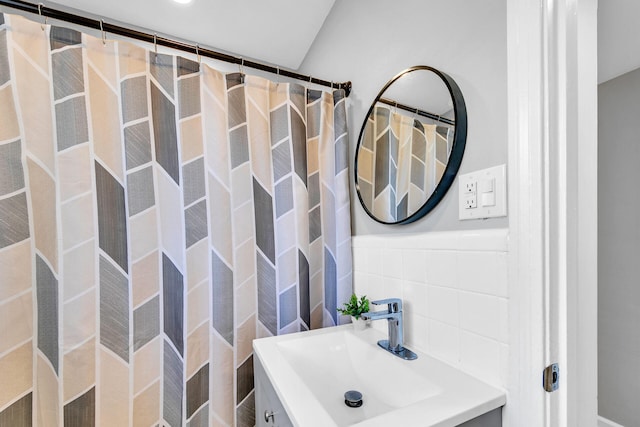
[[370, 41], [619, 249]]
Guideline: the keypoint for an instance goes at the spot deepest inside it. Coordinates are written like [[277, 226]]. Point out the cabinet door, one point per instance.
[[490, 419], [269, 409]]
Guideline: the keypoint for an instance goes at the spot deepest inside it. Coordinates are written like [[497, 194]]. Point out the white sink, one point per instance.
[[355, 364], [311, 371]]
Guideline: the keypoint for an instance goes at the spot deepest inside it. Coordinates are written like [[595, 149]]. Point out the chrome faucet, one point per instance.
[[393, 314]]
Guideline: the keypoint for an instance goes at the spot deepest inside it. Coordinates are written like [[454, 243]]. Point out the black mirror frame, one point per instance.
[[457, 151]]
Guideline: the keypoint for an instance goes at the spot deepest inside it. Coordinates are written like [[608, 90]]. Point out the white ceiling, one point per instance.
[[618, 38], [281, 32], [273, 31]]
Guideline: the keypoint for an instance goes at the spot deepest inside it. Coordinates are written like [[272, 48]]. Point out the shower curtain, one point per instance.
[[400, 162], [156, 216]]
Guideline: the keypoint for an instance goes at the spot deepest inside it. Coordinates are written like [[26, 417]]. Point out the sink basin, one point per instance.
[[311, 371], [355, 365]]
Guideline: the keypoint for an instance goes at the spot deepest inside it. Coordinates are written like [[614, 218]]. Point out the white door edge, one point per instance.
[[552, 131], [525, 399]]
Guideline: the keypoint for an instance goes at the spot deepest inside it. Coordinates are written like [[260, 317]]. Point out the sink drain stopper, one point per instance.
[[353, 399]]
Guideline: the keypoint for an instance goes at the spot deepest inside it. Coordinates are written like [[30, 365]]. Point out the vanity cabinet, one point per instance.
[[490, 419], [269, 409]]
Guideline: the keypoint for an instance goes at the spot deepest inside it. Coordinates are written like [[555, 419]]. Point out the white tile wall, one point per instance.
[[454, 290]]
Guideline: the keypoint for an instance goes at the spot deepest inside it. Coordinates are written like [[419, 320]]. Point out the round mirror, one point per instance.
[[410, 146]]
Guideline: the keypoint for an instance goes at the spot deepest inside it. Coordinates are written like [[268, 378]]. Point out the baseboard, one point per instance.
[[603, 422]]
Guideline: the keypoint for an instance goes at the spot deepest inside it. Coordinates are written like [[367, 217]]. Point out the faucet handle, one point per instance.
[[394, 304]]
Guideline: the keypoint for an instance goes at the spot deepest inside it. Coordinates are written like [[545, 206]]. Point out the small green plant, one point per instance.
[[355, 307]]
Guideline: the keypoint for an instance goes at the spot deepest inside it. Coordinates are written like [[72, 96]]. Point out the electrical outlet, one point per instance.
[[470, 187], [471, 201], [470, 195]]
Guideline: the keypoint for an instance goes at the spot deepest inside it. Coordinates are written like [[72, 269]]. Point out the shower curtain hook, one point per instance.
[[241, 69], [198, 53], [155, 43], [104, 35], [40, 13], [278, 76]]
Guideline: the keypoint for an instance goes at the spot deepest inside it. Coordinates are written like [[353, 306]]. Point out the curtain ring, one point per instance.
[[198, 52], [40, 13], [104, 35], [241, 69]]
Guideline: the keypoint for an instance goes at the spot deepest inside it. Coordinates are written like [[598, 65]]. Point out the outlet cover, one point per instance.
[[489, 193]]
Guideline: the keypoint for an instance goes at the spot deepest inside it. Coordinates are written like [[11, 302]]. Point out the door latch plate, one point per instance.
[[551, 378]]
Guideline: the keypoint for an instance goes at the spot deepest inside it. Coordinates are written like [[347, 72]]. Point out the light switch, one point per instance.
[[487, 193], [488, 199], [490, 196], [487, 185]]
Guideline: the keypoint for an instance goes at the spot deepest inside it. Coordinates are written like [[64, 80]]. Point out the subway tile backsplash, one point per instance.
[[454, 289]]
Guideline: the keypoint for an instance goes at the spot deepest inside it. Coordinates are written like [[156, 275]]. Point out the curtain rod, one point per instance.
[[417, 111], [105, 27]]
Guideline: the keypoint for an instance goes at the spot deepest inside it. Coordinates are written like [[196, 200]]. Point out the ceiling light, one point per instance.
[[182, 1]]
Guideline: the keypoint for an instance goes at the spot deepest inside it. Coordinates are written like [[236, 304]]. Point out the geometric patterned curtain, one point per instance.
[[400, 162], [156, 216]]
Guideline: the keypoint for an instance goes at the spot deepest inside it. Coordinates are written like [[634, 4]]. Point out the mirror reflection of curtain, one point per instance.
[[155, 217], [401, 161]]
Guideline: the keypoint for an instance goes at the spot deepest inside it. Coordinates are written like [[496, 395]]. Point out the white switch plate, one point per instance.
[[479, 181]]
